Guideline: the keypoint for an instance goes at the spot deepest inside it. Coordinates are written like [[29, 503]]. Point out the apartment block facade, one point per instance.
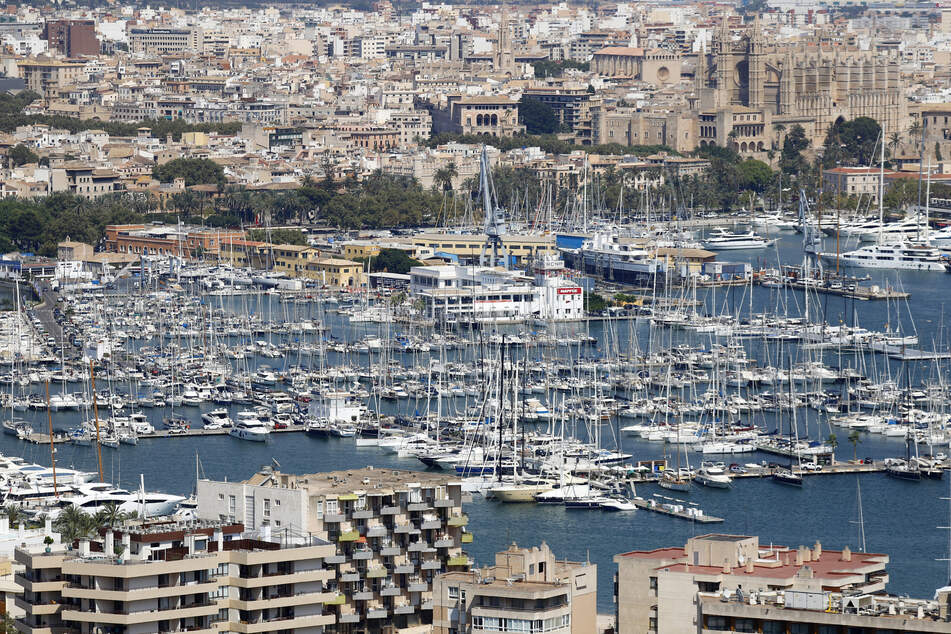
[[527, 590], [657, 590], [395, 532], [163, 577]]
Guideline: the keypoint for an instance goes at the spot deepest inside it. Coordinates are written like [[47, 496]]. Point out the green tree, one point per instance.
[[755, 175], [279, 236], [537, 117], [594, 303], [791, 160], [391, 261], [21, 155], [854, 438], [194, 171], [73, 523]]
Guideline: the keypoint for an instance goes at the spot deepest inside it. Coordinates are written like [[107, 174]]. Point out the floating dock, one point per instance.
[[676, 508]]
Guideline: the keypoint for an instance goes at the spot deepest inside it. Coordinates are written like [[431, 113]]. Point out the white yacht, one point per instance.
[[911, 227], [891, 256], [249, 427], [713, 475], [721, 240], [216, 418]]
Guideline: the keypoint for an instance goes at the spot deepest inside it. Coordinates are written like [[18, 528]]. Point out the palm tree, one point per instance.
[[779, 128], [73, 523], [110, 516], [833, 442], [915, 130], [854, 438], [14, 513], [894, 140]]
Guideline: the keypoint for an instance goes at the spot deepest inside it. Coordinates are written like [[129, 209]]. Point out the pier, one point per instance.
[[672, 507]]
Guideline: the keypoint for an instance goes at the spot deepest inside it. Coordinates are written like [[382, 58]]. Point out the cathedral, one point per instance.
[[749, 90]]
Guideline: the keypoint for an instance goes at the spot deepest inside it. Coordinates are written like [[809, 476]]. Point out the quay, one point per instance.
[[850, 291]]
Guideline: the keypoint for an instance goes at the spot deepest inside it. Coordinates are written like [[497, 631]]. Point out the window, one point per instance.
[[232, 504], [744, 625], [774, 627], [653, 583], [453, 592], [714, 623], [652, 624], [267, 507]]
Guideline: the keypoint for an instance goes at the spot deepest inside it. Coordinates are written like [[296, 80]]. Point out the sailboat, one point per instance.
[[786, 475]]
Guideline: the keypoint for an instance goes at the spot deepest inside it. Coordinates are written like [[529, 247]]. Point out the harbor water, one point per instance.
[[901, 519]]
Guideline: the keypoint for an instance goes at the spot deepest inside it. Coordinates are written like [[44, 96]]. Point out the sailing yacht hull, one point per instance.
[[518, 493]]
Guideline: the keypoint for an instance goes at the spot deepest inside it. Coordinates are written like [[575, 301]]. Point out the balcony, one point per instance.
[[405, 569], [363, 595], [362, 515], [339, 599], [335, 559], [323, 574], [444, 503], [390, 591], [291, 623], [433, 564], [52, 585], [406, 529], [37, 609], [334, 517], [377, 531], [445, 543], [418, 506], [461, 560], [377, 613], [75, 591], [376, 573], [139, 617], [408, 608], [349, 536], [390, 551], [350, 577], [418, 586], [417, 547], [348, 618], [362, 554], [429, 525], [390, 510], [458, 520], [466, 538]]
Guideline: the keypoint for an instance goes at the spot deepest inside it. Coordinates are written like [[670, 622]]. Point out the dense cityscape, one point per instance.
[[608, 318]]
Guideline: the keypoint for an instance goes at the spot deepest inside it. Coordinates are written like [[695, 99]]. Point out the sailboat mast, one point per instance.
[[95, 410], [49, 416]]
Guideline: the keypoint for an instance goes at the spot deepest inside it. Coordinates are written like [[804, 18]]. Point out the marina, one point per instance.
[[723, 389]]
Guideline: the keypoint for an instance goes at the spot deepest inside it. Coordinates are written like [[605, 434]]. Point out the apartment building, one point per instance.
[[165, 41], [527, 590], [395, 532], [48, 76], [72, 38], [854, 181], [653, 587], [165, 576]]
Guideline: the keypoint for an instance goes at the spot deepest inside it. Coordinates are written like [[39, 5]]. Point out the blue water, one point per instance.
[[900, 518]]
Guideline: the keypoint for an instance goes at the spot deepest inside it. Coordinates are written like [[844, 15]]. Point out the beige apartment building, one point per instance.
[[164, 576], [854, 181], [47, 76], [394, 532], [527, 590], [657, 590], [166, 41]]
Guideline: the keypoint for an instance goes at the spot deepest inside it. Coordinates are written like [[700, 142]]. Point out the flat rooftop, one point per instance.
[[372, 480]]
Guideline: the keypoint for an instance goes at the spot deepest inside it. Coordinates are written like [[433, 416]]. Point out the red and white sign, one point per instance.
[[569, 291]]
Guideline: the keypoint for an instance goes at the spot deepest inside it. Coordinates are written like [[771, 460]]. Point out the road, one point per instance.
[[44, 312]]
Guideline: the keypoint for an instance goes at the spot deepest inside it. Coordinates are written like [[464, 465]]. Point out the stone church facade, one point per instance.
[[746, 86]]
